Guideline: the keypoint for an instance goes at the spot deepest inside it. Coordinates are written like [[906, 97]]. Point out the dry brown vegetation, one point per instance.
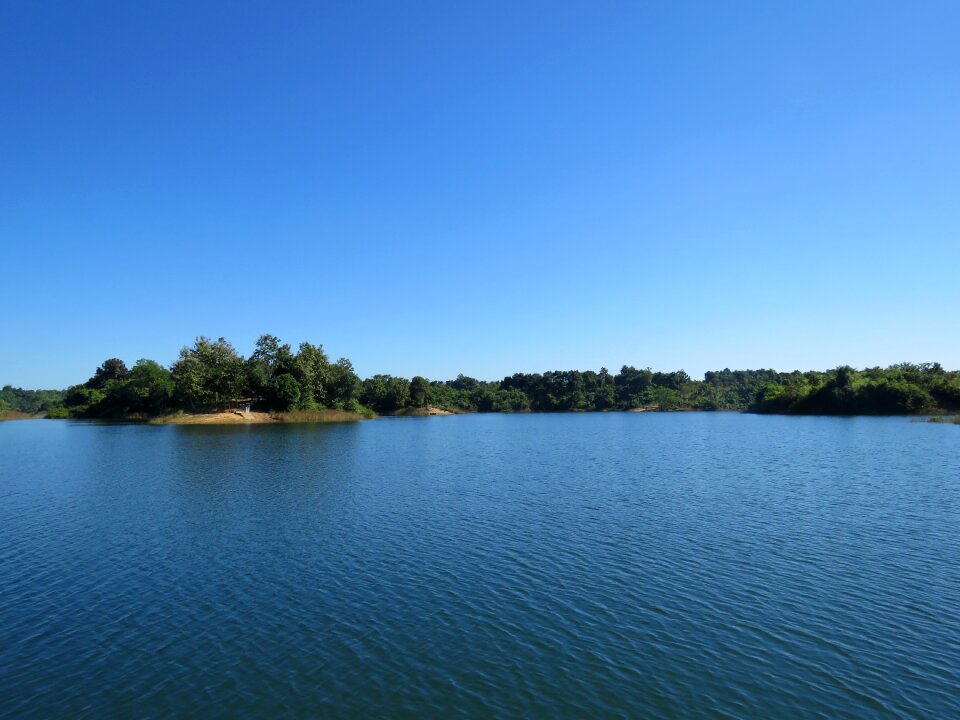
[[317, 416], [14, 415]]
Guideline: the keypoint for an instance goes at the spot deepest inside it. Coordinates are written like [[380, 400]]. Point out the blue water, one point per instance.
[[688, 565]]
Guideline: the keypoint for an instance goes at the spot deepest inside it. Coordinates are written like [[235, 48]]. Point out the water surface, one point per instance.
[[689, 565]]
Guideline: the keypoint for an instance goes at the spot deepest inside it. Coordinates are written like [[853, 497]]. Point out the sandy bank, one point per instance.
[[424, 412], [441, 411], [220, 418], [257, 418]]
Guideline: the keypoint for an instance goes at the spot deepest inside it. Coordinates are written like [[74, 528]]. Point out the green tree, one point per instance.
[[149, 389], [312, 370], [343, 388], [270, 359], [419, 387], [209, 374], [665, 398], [385, 393], [276, 355], [285, 391], [82, 401], [112, 369]]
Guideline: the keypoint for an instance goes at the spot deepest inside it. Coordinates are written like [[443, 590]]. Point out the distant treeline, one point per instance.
[[211, 375], [29, 401]]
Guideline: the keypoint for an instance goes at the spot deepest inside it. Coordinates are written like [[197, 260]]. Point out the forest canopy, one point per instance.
[[29, 401], [211, 375]]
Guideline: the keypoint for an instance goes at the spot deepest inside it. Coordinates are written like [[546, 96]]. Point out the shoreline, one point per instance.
[[236, 417], [428, 411], [16, 415]]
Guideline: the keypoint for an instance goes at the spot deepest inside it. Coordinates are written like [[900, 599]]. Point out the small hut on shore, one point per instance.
[[241, 404]]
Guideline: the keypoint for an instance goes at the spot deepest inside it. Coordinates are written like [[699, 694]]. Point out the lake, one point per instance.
[[675, 565]]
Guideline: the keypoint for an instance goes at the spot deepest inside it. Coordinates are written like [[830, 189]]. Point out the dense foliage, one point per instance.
[[900, 389], [212, 375], [29, 401]]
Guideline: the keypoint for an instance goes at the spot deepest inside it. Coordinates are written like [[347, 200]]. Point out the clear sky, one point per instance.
[[435, 188]]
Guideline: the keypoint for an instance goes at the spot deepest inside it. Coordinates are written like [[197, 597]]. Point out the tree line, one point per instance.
[[901, 389], [29, 401], [211, 375]]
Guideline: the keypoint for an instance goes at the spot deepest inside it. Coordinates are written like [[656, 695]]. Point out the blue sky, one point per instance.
[[435, 188]]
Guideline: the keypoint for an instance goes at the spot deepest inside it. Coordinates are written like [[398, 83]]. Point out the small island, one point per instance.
[[211, 383]]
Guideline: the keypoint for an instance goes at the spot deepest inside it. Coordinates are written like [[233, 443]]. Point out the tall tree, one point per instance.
[[208, 374], [312, 370], [344, 385], [112, 369], [419, 387]]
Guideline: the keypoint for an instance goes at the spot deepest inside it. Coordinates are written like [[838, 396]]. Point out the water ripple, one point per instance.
[[595, 566]]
